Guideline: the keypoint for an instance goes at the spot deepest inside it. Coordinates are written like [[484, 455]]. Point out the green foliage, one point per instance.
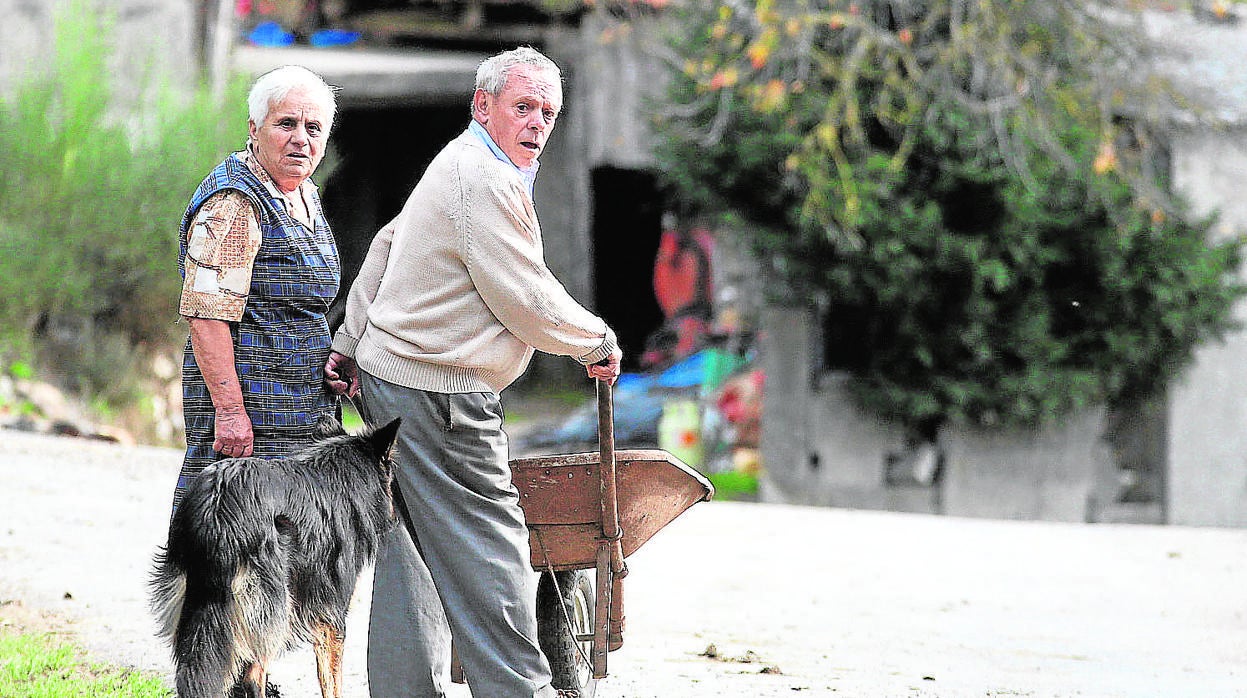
[[733, 486], [987, 240], [33, 666], [92, 188]]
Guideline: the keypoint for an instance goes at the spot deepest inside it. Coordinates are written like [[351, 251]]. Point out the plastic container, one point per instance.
[[679, 431], [270, 34]]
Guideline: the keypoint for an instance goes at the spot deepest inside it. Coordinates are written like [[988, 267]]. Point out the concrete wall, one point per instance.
[[1047, 474], [617, 75], [149, 36], [607, 77], [24, 35], [817, 447], [562, 191], [1207, 448], [784, 350]]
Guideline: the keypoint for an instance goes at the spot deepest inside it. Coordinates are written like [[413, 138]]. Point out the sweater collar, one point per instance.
[[527, 174]]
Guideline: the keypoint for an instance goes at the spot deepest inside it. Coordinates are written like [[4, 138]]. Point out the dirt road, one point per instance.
[[795, 601]]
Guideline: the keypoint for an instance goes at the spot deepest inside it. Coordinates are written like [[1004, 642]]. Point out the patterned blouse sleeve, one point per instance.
[[224, 239]]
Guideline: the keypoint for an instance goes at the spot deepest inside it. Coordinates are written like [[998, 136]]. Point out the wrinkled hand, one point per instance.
[[342, 375], [234, 438], [607, 369]]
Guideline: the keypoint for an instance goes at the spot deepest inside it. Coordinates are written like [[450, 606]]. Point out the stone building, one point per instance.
[[1181, 459], [405, 86]]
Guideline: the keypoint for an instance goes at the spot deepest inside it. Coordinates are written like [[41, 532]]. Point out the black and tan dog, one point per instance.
[[264, 554]]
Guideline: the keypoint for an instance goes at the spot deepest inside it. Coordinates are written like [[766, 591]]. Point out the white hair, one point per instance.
[[491, 75], [273, 86]]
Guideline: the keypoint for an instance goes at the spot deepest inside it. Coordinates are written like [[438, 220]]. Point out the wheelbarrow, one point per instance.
[[590, 511]]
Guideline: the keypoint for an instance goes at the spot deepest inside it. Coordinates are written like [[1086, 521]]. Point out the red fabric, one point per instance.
[[677, 274]]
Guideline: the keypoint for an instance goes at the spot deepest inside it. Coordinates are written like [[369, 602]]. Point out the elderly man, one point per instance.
[[452, 299]]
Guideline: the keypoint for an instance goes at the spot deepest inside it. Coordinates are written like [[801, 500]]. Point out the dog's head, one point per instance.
[[371, 445], [381, 442], [380, 439], [327, 427]]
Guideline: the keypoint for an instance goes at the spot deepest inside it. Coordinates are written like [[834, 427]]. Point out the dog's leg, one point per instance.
[[328, 643], [254, 679]]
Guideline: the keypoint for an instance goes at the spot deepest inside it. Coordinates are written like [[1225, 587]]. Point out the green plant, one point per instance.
[[92, 188], [34, 666], [733, 485], [952, 183]]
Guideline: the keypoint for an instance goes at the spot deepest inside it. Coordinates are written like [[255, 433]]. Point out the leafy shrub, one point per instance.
[[91, 193], [952, 185]]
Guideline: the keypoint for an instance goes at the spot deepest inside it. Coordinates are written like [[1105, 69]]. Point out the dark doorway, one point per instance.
[[627, 224], [380, 154]]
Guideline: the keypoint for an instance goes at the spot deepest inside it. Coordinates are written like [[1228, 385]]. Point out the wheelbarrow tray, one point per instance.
[[562, 501]]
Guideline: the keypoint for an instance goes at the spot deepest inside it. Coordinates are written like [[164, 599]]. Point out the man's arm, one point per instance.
[[341, 373], [364, 290], [503, 255]]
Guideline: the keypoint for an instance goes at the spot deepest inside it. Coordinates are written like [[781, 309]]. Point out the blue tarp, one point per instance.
[[638, 406]]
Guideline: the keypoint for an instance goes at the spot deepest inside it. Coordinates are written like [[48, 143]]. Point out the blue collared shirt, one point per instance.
[[528, 174]]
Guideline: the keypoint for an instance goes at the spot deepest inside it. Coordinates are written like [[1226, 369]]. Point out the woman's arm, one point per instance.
[[214, 353]]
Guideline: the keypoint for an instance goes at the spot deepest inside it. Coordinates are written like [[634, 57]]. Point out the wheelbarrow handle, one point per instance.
[[608, 606], [606, 453]]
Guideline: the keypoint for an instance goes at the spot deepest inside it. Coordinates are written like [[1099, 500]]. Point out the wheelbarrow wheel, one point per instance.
[[569, 659]]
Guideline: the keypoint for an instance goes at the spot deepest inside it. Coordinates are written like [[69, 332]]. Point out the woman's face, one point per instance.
[[521, 118], [291, 141]]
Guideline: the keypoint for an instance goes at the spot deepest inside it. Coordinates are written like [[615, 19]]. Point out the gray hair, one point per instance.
[[274, 85], [491, 76]]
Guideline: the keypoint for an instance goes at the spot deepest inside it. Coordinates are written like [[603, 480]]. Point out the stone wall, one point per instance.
[[1207, 447], [819, 448]]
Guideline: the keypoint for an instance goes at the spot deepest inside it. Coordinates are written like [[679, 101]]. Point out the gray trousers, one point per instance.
[[460, 566]]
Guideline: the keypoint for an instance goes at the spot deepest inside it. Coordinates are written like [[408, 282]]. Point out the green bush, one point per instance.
[[92, 190], [986, 240]]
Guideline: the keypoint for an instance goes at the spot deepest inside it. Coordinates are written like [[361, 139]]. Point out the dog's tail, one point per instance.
[[166, 593], [220, 608], [198, 627]]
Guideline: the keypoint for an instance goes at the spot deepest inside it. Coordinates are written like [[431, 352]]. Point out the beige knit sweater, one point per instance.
[[454, 293]]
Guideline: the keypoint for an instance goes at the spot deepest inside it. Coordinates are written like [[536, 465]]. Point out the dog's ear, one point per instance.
[[327, 427], [383, 438]]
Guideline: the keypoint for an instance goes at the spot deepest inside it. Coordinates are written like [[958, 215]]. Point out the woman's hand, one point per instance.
[[234, 438], [342, 375]]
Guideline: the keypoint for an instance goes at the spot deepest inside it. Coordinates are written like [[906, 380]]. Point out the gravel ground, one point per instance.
[[794, 600]]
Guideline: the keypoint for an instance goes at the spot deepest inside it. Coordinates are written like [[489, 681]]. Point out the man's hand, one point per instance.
[[234, 438], [342, 375], [607, 369]]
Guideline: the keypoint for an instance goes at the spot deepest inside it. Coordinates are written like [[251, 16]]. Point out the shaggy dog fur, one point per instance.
[[264, 554]]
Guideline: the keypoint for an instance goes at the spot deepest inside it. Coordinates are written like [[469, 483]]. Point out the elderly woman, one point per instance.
[[259, 268]]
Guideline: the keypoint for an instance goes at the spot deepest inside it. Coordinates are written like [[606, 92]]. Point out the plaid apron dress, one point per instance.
[[282, 342]]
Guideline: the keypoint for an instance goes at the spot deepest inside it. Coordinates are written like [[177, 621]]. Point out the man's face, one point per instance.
[[291, 141], [521, 118]]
